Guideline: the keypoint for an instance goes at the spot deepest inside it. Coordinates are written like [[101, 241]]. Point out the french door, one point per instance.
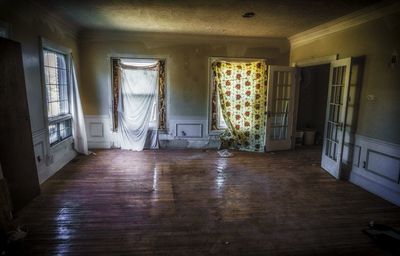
[[335, 118], [280, 108]]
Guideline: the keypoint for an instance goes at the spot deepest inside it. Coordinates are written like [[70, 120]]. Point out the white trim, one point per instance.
[[315, 61], [351, 20], [96, 140], [38, 132], [51, 46], [380, 180]]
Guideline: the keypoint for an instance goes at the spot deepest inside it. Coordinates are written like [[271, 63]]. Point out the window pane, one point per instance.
[[59, 131], [53, 133], [65, 129], [61, 61], [55, 73], [53, 109], [64, 107], [52, 73], [62, 76]]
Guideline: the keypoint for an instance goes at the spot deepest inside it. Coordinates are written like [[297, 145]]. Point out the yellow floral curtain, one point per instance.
[[242, 88]]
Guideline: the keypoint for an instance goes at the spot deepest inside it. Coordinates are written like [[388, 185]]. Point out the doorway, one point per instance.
[[313, 93], [328, 108]]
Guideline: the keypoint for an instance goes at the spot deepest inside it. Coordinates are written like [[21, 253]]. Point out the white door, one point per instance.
[[280, 108], [339, 79]]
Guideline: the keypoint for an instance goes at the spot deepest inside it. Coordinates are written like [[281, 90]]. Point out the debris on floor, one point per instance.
[[17, 234], [384, 235], [224, 153]]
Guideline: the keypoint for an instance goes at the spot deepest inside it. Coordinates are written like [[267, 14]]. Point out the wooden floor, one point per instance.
[[189, 202]]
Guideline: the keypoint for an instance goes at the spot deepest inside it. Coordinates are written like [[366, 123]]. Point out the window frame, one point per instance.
[[155, 126], [53, 47], [5, 30], [211, 89]]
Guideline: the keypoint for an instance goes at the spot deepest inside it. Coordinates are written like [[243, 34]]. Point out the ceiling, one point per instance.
[[273, 18]]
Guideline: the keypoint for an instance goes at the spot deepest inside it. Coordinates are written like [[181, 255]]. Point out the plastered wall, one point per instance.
[[29, 22], [187, 67], [380, 96]]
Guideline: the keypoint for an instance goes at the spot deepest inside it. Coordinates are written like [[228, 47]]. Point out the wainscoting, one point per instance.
[[182, 132], [375, 167], [50, 160], [98, 130]]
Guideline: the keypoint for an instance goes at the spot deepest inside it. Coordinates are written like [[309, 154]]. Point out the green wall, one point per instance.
[[28, 23], [186, 69], [376, 40]]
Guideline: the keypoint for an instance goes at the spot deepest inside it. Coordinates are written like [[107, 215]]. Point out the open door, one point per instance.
[[336, 110], [17, 156], [280, 108]]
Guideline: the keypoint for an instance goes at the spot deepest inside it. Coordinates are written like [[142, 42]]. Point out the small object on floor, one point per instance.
[[386, 236], [224, 153], [17, 234]]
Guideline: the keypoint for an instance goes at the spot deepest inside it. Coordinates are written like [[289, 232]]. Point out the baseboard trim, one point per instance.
[[375, 188], [376, 167]]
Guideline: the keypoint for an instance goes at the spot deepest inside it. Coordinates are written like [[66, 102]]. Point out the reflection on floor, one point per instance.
[[192, 202]]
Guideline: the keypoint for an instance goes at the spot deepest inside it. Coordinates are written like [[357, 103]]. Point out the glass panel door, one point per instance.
[[280, 108], [336, 116]]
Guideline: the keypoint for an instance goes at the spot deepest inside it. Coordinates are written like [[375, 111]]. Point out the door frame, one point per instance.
[[330, 165], [302, 63]]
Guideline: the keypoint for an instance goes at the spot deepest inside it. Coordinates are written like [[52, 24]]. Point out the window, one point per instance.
[[217, 122], [221, 124], [56, 80], [140, 72], [4, 29]]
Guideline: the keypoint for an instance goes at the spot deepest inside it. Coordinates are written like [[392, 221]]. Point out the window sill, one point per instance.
[[62, 143], [58, 119], [216, 132]]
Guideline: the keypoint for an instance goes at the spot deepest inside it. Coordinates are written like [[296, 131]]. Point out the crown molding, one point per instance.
[[351, 20]]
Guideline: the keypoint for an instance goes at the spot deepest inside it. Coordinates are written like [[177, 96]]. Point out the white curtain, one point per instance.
[[78, 121], [137, 108]]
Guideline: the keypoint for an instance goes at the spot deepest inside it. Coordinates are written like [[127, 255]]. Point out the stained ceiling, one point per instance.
[[273, 18]]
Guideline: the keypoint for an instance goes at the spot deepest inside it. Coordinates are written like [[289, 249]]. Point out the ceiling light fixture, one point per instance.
[[248, 15]]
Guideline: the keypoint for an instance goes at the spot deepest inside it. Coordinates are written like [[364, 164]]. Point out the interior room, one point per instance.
[[313, 92], [199, 127]]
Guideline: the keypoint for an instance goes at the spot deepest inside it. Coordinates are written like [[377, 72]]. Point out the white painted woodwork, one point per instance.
[[376, 167], [335, 117], [280, 108]]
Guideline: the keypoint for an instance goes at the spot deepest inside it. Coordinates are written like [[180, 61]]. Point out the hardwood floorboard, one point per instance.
[[192, 202]]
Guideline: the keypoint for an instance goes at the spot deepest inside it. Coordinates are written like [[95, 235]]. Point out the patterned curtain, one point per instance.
[[242, 94], [116, 78], [161, 94]]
